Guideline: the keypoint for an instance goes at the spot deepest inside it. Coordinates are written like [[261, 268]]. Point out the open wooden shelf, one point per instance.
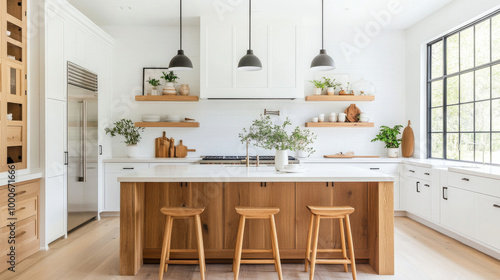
[[170, 98], [338, 124], [340, 98], [167, 124]]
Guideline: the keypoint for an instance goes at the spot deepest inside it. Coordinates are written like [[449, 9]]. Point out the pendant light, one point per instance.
[[250, 62], [180, 62], [323, 62]]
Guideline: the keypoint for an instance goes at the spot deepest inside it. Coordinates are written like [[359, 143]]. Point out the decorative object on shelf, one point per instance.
[[9, 117], [181, 151], [250, 62], [349, 154], [162, 146], [184, 89], [330, 85], [167, 98], [149, 73], [347, 91], [363, 87], [321, 117], [323, 62], [264, 133], [131, 133], [364, 118], [150, 118], [333, 117], [408, 141], [8, 33], [390, 137], [342, 117], [171, 153], [154, 84], [170, 80], [315, 119], [340, 124], [172, 118], [339, 98], [318, 86], [189, 120], [180, 62], [353, 113]]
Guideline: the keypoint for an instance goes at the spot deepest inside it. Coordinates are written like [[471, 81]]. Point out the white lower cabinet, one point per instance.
[[457, 210], [55, 207], [112, 187], [418, 197], [487, 216]]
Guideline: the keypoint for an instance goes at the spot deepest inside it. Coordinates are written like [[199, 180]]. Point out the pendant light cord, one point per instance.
[[181, 23], [250, 24], [322, 24]]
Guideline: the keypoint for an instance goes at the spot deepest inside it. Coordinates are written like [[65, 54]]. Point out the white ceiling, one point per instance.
[[166, 12]]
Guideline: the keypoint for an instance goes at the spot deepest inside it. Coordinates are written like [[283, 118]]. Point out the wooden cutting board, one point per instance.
[[181, 151], [162, 146], [353, 113], [408, 141], [347, 156], [172, 148]]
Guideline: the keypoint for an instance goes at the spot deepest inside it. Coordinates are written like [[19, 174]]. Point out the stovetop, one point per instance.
[[271, 158]]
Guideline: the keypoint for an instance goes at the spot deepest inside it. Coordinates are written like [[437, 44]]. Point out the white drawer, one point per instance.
[[124, 167], [386, 168], [477, 184], [487, 217], [418, 172]]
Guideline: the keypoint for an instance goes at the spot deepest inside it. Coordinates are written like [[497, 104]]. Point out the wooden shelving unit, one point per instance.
[[340, 98], [167, 124], [167, 98], [13, 100], [337, 124]]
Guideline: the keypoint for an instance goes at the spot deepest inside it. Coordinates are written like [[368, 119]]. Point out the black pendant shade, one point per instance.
[[323, 62], [250, 62], [180, 61]]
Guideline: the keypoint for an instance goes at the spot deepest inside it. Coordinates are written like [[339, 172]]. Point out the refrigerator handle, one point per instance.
[[83, 178], [66, 161]]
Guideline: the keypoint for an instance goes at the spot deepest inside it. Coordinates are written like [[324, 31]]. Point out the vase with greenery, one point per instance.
[[264, 133], [170, 80], [330, 85], [390, 136], [318, 86], [132, 134], [154, 83]]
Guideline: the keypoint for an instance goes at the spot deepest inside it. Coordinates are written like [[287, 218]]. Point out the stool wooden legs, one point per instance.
[[342, 240], [315, 246], [239, 247], [276, 252], [201, 250], [351, 247], [165, 251]]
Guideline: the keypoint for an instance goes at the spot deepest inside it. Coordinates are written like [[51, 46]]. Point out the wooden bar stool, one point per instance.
[[181, 213], [256, 213], [341, 213]]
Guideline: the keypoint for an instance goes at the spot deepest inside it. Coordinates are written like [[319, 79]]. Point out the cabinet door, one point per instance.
[[210, 196], [410, 195], [425, 200], [55, 208], [112, 192], [54, 55], [457, 210], [55, 131], [487, 220]]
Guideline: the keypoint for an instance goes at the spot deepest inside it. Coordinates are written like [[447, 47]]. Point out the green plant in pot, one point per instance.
[[170, 80], [330, 85], [132, 134], [264, 133], [390, 136], [318, 86], [154, 83]]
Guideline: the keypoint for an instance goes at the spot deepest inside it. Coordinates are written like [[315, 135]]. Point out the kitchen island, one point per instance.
[[221, 188]]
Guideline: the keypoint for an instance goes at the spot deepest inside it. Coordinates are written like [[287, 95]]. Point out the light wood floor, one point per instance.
[[91, 252]]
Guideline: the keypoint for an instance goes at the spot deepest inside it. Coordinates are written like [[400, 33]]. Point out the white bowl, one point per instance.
[[151, 118], [172, 118]]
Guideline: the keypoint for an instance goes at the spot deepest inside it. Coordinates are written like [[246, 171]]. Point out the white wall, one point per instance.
[[443, 21], [381, 62]]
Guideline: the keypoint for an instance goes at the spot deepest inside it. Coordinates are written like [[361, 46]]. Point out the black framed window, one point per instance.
[[463, 90]]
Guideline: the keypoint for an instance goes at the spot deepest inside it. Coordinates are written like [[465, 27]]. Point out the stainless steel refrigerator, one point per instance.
[[82, 145]]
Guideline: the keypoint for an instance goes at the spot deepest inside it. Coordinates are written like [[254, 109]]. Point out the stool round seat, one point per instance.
[[257, 211], [181, 211], [331, 212]]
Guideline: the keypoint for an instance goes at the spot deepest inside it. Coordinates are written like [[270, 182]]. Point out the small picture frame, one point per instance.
[[151, 73]]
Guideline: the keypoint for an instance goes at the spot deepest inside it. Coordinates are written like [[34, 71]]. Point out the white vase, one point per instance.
[[169, 89], [133, 151], [393, 152], [330, 91], [317, 91], [154, 91], [281, 160]]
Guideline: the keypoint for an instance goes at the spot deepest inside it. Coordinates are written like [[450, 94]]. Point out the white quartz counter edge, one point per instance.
[[492, 172], [220, 173], [21, 176], [151, 160]]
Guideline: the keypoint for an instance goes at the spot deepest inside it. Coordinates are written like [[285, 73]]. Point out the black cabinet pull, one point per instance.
[[128, 168], [427, 174], [427, 185], [412, 171], [418, 185], [374, 168], [327, 184], [465, 179], [445, 189], [100, 150], [496, 205]]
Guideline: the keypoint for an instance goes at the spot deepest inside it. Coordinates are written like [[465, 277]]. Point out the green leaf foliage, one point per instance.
[[170, 77], [389, 136], [154, 82], [330, 83], [318, 84], [126, 129]]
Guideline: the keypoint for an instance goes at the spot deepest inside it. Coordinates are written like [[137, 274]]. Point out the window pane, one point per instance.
[[483, 84], [437, 145], [437, 119], [467, 117], [496, 114], [437, 60], [452, 54], [467, 87], [452, 119], [452, 151], [437, 93], [452, 90], [483, 42], [483, 116], [467, 146], [483, 145], [495, 33], [495, 81], [495, 148], [467, 48]]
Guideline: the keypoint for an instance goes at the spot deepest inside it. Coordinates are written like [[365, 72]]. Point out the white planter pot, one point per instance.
[[133, 151], [281, 160], [317, 91], [393, 152], [169, 89], [330, 91]]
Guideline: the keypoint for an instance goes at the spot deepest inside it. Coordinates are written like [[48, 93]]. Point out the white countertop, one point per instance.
[[152, 160], [21, 176], [221, 173], [492, 172]]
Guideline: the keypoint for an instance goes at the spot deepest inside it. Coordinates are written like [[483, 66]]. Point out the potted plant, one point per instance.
[[318, 86], [264, 133], [170, 80], [390, 137], [131, 133], [154, 83], [331, 85]]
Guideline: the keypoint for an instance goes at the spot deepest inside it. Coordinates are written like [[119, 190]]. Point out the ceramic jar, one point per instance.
[[393, 152], [169, 89], [184, 89], [317, 91], [332, 117], [280, 160], [330, 91], [154, 91], [133, 151], [342, 117]]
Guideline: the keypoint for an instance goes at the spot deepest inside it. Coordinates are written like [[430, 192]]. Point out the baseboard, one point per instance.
[[460, 238], [110, 214], [399, 213]]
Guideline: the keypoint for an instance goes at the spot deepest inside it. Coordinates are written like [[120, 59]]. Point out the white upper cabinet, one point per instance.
[[54, 57], [278, 46]]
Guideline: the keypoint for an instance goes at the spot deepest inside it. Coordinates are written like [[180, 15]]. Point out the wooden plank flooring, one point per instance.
[[91, 252]]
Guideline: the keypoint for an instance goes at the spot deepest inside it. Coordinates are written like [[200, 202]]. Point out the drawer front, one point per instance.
[[487, 217], [389, 169], [125, 167], [481, 185], [24, 209], [421, 173], [14, 134], [26, 231], [23, 190]]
